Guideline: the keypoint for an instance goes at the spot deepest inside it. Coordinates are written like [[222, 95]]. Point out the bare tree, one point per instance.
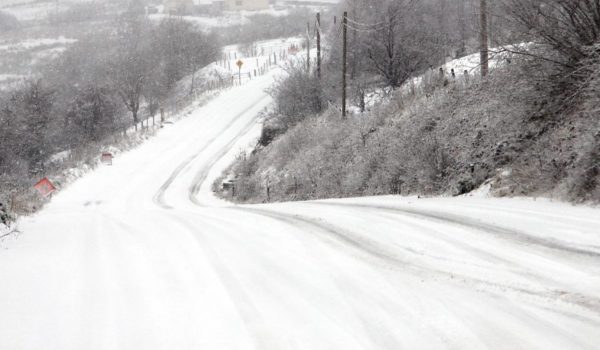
[[132, 64], [567, 26]]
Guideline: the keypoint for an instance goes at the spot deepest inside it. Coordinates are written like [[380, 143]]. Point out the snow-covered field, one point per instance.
[[36, 10], [33, 11], [30, 44], [140, 255], [205, 22], [227, 19], [17, 57]]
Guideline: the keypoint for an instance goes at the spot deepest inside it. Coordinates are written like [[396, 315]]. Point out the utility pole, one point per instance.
[[483, 38], [354, 46], [490, 20], [344, 62], [319, 45], [461, 22], [308, 47]]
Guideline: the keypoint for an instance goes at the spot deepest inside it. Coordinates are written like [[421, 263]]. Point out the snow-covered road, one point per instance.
[[140, 256]]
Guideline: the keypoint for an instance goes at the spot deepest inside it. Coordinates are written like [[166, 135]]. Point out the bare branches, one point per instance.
[[567, 26]]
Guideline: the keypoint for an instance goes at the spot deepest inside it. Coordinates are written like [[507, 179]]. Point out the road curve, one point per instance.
[[141, 256]]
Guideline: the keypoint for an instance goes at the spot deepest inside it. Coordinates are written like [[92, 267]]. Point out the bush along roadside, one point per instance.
[[448, 139]]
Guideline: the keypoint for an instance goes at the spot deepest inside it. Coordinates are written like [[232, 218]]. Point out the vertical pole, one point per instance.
[[11, 207], [463, 31], [344, 62], [319, 45], [268, 185], [308, 47], [483, 38], [490, 20]]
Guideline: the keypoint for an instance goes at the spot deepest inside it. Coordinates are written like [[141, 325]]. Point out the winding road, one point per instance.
[[140, 255]]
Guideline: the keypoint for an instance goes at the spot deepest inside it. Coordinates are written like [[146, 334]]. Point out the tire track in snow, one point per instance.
[[529, 212], [375, 250], [279, 273], [537, 298], [372, 249], [158, 198], [203, 174], [500, 231], [343, 237]]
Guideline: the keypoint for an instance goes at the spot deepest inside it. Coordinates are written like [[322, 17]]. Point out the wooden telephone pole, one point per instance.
[[344, 62], [483, 39], [463, 31], [308, 47], [319, 45]]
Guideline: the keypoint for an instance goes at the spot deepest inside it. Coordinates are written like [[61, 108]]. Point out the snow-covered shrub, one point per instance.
[[450, 142], [298, 95]]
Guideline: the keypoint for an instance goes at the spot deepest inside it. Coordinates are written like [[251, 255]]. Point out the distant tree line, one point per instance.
[[98, 88]]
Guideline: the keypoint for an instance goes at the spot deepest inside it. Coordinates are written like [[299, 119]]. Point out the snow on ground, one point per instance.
[[9, 77], [227, 19], [256, 59], [471, 63], [234, 18], [205, 22], [464, 68], [17, 57], [139, 255], [11, 81], [34, 11], [31, 44]]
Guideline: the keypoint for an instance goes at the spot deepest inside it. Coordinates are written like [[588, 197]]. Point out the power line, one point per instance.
[[366, 24], [360, 30], [331, 39]]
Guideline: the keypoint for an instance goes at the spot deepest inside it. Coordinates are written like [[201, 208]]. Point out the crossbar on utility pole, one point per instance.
[[344, 62], [319, 45]]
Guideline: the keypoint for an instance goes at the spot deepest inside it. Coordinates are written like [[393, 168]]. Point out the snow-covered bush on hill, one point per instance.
[[529, 127], [449, 142]]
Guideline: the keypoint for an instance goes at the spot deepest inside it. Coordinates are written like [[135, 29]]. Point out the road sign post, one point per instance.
[[45, 187], [240, 63], [106, 158]]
